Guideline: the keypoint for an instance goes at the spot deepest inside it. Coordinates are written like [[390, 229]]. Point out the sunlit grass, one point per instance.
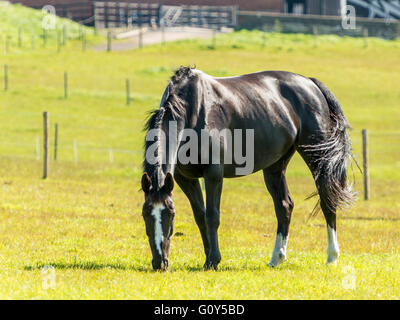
[[85, 220]]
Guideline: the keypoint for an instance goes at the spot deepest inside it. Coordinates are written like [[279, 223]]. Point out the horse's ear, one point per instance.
[[168, 183], [146, 183]]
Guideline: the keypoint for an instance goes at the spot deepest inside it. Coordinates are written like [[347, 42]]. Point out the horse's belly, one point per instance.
[[262, 159], [270, 145]]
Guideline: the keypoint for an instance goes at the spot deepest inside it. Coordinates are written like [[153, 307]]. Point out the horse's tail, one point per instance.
[[330, 156]]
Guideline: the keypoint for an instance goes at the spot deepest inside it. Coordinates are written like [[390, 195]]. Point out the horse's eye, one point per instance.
[[170, 207]]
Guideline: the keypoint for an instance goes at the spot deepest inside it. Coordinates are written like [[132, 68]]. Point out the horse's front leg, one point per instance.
[[192, 190], [213, 178]]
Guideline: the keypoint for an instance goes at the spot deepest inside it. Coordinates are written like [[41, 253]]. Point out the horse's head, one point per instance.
[[158, 214]]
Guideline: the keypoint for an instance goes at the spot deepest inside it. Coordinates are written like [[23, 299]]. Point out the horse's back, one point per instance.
[[277, 105], [281, 100]]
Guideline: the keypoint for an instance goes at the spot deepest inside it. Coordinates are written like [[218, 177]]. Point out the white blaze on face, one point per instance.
[[333, 247], [279, 253], [158, 234]]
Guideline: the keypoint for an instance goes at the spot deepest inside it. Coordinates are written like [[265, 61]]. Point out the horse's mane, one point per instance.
[[172, 109], [173, 105]]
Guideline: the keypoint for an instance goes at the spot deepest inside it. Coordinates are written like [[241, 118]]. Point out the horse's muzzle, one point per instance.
[[160, 264], [160, 259]]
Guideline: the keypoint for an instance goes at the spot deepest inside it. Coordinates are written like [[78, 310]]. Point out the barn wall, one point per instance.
[[314, 6], [325, 7], [252, 5], [325, 25], [38, 3], [333, 8], [265, 5], [78, 10]]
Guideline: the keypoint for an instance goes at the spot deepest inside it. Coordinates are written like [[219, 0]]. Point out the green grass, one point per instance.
[[31, 22], [85, 220]]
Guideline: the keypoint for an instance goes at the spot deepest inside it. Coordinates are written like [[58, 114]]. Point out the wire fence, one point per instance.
[[83, 147], [120, 149], [122, 142]]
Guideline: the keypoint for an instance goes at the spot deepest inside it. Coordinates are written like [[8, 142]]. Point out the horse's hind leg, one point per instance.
[[330, 217], [323, 183], [275, 181]]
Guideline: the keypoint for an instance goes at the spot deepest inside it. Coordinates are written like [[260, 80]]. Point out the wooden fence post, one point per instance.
[[128, 92], [45, 144], [64, 35], [365, 34], [365, 163], [19, 37], [44, 37], [163, 34], [83, 41], [5, 77], [65, 84], [55, 141], [315, 32], [214, 38], [140, 37], [58, 41]]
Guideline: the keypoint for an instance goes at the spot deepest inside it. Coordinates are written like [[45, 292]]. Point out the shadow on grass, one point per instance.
[[89, 265], [237, 268], [371, 218]]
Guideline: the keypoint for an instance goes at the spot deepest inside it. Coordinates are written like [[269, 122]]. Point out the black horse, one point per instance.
[[287, 112]]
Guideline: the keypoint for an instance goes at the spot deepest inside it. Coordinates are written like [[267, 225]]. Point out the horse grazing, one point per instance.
[[284, 112]]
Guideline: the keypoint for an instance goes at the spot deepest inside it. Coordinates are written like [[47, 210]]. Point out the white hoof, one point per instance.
[[276, 260], [333, 247], [332, 258], [279, 253]]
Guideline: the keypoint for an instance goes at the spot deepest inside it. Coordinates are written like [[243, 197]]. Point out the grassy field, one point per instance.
[[85, 220], [30, 22]]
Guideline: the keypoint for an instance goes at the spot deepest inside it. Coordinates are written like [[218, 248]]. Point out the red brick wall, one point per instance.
[[38, 3]]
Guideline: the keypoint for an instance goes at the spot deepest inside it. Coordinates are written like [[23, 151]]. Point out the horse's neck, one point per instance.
[[167, 151], [171, 128]]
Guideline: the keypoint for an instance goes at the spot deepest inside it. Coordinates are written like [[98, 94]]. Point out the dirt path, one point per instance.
[[156, 36]]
